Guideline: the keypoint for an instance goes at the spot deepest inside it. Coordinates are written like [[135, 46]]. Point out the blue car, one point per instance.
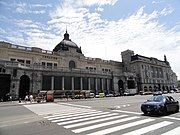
[[160, 104]]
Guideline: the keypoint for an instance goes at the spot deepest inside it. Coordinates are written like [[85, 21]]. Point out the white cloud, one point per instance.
[[25, 8], [167, 11], [140, 32], [21, 8], [41, 5], [99, 9], [99, 2], [158, 2]]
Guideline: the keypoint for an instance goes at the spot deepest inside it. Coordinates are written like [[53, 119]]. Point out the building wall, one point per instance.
[[153, 74], [41, 69], [35, 63]]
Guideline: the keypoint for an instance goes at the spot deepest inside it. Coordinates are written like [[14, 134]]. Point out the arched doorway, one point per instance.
[[121, 87], [24, 86], [4, 86], [131, 84]]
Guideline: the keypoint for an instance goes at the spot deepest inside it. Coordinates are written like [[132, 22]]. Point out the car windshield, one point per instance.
[[156, 99]]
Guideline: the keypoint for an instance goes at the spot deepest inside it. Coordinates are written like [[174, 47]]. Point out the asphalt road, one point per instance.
[[113, 115]]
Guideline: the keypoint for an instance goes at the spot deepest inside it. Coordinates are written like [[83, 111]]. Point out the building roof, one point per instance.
[[66, 43]]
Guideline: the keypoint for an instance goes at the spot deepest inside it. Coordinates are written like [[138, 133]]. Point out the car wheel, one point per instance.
[[145, 112], [164, 111]]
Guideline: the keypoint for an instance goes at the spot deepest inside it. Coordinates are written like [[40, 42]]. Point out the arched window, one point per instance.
[[72, 64], [145, 88], [150, 88]]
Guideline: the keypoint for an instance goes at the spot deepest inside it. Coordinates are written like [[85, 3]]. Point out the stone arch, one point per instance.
[[121, 87], [145, 88], [131, 84], [150, 88], [24, 86]]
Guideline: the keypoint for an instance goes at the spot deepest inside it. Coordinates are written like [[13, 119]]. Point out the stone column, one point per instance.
[[96, 86], [81, 83], [62, 82], [89, 84], [52, 82], [72, 83], [107, 80], [102, 84]]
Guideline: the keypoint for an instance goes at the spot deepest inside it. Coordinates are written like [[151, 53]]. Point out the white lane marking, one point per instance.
[[121, 127], [69, 113], [89, 118], [72, 109], [149, 128], [27, 122], [84, 116], [1, 126], [173, 118], [94, 121], [126, 112], [76, 105], [19, 119], [73, 115], [175, 131], [103, 124]]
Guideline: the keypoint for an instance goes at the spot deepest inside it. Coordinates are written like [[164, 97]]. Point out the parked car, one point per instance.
[[145, 93], [157, 93], [165, 92], [109, 95], [171, 91], [160, 104]]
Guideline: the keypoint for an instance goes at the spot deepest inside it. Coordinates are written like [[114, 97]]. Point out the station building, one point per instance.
[[28, 70]]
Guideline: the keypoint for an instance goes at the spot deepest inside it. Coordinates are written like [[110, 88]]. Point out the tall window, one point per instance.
[[72, 64]]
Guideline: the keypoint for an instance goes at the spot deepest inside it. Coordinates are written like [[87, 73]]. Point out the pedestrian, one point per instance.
[[31, 98], [26, 98]]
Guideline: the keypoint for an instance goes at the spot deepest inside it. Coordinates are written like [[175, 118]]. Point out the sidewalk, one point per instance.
[[9, 103], [14, 103]]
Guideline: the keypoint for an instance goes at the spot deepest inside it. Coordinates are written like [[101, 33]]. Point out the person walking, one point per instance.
[[26, 98], [31, 98]]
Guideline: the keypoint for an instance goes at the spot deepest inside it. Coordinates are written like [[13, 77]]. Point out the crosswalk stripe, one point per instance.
[[127, 112], [175, 131], [84, 119], [103, 124], [93, 121], [73, 115], [69, 113], [72, 118], [121, 127], [173, 118], [149, 128], [77, 105]]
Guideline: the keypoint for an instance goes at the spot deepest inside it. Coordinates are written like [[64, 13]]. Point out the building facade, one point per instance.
[[151, 74], [27, 70]]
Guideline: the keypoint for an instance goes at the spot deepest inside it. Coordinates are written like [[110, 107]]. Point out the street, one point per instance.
[[98, 116]]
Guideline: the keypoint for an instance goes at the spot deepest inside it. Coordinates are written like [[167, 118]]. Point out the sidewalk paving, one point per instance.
[[14, 103]]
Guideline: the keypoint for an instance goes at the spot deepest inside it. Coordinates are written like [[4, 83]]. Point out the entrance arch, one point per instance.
[[121, 87], [24, 86], [131, 84]]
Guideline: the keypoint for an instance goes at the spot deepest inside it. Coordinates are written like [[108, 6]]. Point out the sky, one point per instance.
[[102, 28]]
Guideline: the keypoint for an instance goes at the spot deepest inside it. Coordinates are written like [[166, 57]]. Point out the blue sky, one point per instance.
[[103, 28]]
